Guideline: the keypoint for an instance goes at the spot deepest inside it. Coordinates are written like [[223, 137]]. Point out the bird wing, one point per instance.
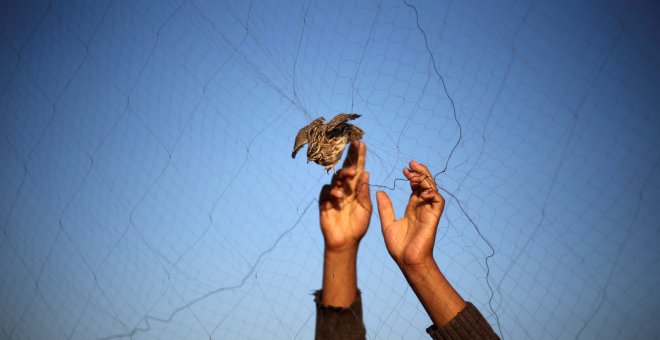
[[301, 137], [354, 133], [341, 118]]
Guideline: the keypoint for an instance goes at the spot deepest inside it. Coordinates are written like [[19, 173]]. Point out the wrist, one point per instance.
[[418, 269], [350, 248]]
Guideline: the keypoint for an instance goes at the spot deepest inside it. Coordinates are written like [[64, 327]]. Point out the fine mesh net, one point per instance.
[[148, 192]]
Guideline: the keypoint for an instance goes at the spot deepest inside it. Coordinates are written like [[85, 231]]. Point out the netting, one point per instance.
[[148, 191]]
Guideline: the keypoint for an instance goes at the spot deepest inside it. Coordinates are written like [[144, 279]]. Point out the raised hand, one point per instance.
[[345, 203], [410, 239], [345, 211]]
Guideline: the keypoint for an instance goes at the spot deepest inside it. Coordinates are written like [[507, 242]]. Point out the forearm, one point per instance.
[[439, 298], [339, 277], [338, 306]]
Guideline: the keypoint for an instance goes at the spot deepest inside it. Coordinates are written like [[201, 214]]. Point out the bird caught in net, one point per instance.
[[326, 142]]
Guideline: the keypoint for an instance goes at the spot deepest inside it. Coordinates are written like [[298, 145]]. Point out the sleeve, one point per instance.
[[468, 324], [337, 322]]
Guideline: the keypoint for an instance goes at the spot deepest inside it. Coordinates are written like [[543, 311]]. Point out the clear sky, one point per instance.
[[147, 188]]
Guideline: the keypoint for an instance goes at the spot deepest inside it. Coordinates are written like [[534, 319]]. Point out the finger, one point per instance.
[[385, 210], [433, 197], [362, 155], [337, 192], [341, 182], [414, 179], [325, 195], [346, 173], [421, 175], [356, 155], [419, 167], [352, 156], [363, 195], [328, 199]]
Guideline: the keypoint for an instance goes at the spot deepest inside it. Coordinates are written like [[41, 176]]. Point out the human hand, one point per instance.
[[345, 203], [410, 239]]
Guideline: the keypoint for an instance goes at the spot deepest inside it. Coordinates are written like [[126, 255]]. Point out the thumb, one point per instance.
[[385, 210]]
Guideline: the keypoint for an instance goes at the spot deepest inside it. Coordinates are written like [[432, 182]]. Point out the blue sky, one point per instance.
[[147, 188]]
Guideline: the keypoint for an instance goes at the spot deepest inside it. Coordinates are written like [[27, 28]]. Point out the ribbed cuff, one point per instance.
[[339, 322], [468, 324]]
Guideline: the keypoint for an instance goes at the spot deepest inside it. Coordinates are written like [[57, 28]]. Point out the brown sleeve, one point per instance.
[[338, 322], [468, 324]]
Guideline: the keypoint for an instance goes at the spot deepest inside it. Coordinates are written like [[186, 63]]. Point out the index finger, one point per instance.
[[356, 154], [420, 177]]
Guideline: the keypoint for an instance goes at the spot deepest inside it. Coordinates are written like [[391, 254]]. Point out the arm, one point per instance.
[[410, 242], [345, 210]]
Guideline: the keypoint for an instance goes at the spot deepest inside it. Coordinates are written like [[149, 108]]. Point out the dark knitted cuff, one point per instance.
[[339, 322], [468, 324]]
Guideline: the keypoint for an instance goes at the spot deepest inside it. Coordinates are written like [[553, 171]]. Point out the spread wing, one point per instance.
[[303, 134], [341, 118], [354, 133], [338, 126]]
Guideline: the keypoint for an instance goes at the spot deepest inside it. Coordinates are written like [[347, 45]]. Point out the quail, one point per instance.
[[326, 142]]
